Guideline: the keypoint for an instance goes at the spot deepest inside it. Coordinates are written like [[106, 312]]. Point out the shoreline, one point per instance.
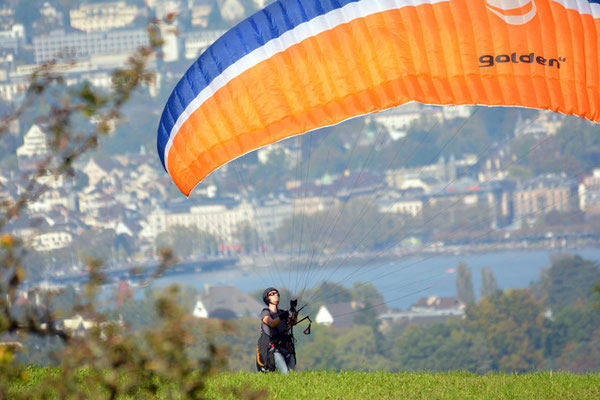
[[258, 261], [245, 264]]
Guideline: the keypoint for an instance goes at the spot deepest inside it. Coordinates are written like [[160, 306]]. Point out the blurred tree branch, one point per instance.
[[114, 360]]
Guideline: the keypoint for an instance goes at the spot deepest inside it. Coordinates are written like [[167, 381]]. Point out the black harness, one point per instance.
[[282, 341]]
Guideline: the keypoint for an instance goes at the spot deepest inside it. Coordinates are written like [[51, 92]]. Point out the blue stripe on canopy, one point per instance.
[[250, 34]]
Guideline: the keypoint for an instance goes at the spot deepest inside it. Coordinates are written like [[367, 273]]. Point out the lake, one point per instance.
[[401, 282]]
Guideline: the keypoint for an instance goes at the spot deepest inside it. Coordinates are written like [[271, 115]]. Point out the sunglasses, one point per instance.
[[273, 294]]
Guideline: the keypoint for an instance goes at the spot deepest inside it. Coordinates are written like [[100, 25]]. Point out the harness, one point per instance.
[[285, 341]]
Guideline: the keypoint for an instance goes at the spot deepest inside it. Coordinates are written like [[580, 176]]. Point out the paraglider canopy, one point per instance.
[[296, 66]]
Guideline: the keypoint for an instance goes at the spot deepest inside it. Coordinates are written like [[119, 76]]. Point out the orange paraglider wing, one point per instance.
[[300, 65]]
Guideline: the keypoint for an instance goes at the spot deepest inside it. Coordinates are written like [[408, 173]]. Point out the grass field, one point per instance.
[[380, 385]]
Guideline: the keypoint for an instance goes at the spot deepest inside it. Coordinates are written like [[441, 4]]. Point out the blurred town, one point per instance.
[[123, 206]]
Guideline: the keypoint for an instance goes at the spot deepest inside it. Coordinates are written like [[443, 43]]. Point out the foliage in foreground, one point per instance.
[[110, 360], [364, 385]]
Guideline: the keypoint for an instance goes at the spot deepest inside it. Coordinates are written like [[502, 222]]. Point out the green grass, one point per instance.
[[383, 385], [413, 385]]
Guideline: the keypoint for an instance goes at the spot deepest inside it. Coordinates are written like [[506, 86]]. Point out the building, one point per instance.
[[103, 16], [26, 228], [462, 111], [199, 11], [12, 90], [35, 148], [97, 70], [79, 324], [459, 191], [226, 302], [499, 196], [219, 217], [195, 43], [56, 238], [12, 39], [7, 18], [407, 206], [35, 143], [427, 310], [589, 193], [397, 120], [260, 4], [99, 170], [83, 46], [170, 46], [91, 200], [231, 10], [310, 199], [339, 315], [541, 195], [53, 198], [342, 315], [14, 84], [546, 123], [320, 195], [163, 8], [405, 202], [51, 17], [270, 213], [495, 167], [404, 179], [274, 149]]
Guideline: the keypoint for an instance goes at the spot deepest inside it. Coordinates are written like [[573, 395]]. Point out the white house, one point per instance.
[[35, 145], [91, 200], [339, 315], [53, 198], [397, 120], [103, 16], [107, 170], [342, 315], [324, 316], [200, 310], [78, 324], [52, 240], [225, 302]]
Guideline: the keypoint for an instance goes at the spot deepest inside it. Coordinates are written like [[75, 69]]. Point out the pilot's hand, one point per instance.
[[284, 315]]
